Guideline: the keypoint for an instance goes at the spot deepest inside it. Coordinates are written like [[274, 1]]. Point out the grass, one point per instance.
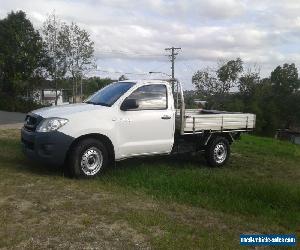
[[262, 181], [159, 202]]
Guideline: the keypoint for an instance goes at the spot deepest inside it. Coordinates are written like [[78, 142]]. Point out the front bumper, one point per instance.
[[49, 147]]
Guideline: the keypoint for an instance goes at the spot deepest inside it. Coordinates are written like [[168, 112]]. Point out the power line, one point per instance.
[[159, 66], [120, 72], [129, 53], [189, 67], [159, 72]]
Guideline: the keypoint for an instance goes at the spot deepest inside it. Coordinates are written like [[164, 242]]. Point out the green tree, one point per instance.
[[247, 82], [215, 85], [78, 52], [228, 74], [206, 82], [93, 84], [56, 66], [220, 81], [263, 103], [275, 100], [285, 85], [123, 78], [285, 79], [21, 53]]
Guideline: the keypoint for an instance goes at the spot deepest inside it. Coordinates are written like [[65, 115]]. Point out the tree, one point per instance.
[[248, 82], [56, 66], [21, 53], [263, 103], [93, 84], [214, 85], [123, 78], [220, 81], [228, 73], [285, 84], [206, 82], [285, 79], [275, 100], [77, 51]]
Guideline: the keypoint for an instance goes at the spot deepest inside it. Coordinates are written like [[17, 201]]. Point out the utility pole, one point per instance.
[[81, 87], [55, 52], [172, 59]]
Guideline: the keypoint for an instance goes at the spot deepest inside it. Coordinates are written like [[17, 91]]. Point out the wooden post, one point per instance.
[[193, 125]]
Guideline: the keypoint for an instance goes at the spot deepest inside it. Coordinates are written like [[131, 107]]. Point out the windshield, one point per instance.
[[109, 94]]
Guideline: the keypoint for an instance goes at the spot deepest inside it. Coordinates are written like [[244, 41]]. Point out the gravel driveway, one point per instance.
[[11, 120]]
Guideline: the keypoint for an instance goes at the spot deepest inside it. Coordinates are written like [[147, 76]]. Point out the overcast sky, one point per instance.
[[130, 35]]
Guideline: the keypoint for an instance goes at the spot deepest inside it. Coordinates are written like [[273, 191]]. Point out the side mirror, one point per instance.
[[129, 104]]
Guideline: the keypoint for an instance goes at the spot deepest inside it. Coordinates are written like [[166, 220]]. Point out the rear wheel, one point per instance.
[[217, 152], [88, 158]]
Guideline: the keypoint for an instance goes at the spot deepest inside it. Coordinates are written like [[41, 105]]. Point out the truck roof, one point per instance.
[[152, 81]]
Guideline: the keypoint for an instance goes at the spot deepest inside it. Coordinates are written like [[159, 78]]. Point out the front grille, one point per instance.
[[31, 122]]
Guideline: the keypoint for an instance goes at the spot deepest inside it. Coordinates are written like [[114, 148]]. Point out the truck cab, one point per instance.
[[124, 119]]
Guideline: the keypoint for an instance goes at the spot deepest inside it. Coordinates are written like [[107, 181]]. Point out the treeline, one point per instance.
[[89, 85], [62, 54], [58, 53], [275, 99]]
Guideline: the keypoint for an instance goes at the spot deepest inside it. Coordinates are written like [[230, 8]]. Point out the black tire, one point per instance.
[[217, 151], [88, 158]]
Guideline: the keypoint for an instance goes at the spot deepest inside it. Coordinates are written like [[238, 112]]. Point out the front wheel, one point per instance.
[[88, 158], [217, 152]]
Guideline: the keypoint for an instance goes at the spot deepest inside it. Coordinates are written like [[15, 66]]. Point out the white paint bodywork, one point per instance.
[[132, 133], [140, 132]]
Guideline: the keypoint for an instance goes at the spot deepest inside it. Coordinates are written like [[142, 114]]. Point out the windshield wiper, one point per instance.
[[89, 102], [98, 103]]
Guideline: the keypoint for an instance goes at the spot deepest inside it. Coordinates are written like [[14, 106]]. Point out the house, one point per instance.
[[47, 96]]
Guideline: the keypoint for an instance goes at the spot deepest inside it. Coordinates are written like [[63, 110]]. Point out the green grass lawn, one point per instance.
[[157, 202]]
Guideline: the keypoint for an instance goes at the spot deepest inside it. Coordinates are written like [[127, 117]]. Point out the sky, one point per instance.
[[131, 36]]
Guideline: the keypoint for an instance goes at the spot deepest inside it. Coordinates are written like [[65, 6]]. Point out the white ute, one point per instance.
[[127, 119]]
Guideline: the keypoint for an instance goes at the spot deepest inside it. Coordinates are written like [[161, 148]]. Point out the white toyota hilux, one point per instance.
[[127, 119]]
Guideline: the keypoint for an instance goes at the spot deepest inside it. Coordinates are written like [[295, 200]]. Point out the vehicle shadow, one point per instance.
[[27, 165], [174, 161], [190, 160]]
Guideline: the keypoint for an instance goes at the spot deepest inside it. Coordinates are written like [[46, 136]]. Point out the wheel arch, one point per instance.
[[103, 138], [226, 135]]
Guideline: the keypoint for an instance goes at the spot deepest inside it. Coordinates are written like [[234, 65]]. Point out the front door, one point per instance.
[[148, 129]]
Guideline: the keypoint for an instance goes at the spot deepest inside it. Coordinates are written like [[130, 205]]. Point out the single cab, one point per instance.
[[127, 119]]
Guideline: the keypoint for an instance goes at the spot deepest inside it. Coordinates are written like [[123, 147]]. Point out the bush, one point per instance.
[[17, 104]]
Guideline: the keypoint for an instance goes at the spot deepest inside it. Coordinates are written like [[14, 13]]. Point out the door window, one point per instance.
[[149, 97]]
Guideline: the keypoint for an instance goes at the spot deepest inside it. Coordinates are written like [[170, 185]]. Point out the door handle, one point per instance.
[[166, 117]]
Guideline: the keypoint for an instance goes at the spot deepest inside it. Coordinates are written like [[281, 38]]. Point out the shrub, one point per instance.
[[17, 104]]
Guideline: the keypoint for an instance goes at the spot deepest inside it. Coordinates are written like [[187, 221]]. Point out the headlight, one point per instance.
[[51, 124]]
